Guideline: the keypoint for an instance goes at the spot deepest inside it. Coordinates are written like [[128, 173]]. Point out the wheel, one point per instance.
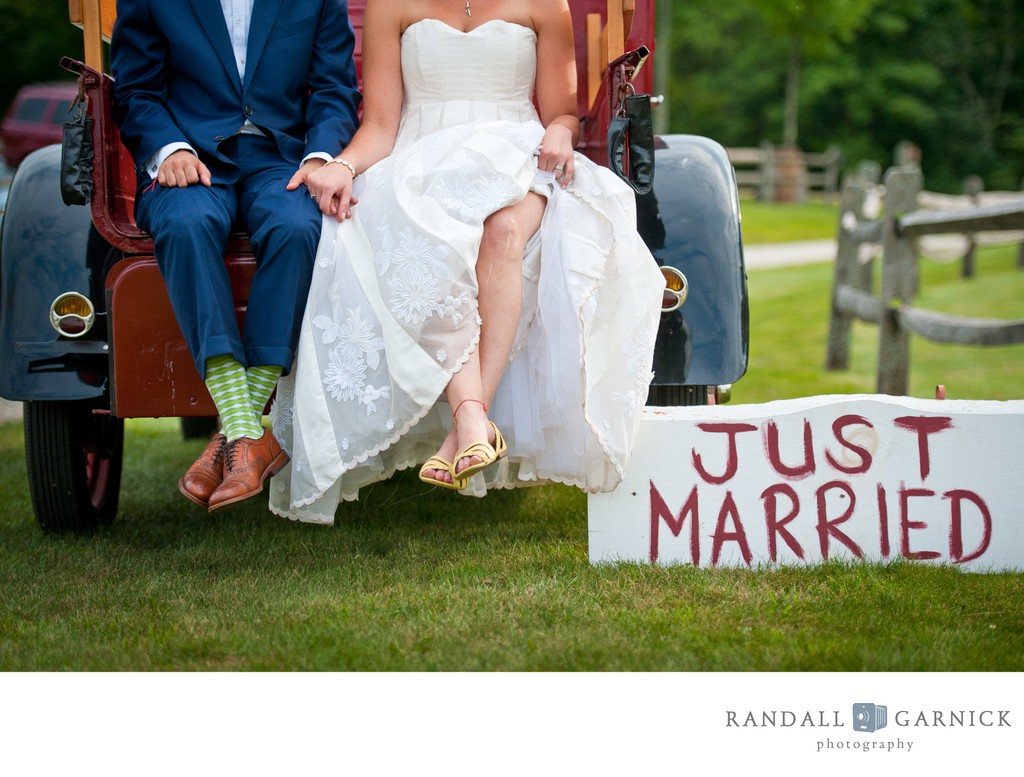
[[74, 461], [670, 395], [198, 427]]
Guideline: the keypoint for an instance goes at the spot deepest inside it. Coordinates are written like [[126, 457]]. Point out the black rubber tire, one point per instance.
[[195, 427], [677, 396], [74, 459]]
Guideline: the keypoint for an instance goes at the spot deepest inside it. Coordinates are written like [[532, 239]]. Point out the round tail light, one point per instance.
[[72, 314], [676, 289]]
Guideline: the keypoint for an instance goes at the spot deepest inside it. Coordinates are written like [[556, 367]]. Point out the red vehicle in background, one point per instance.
[[88, 338], [36, 118]]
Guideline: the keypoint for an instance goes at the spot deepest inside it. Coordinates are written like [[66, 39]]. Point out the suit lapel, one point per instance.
[[264, 14], [211, 16]]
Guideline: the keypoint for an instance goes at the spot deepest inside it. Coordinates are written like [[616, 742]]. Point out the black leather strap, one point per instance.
[[632, 135]]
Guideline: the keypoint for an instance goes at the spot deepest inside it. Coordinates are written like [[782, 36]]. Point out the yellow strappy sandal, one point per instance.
[[437, 463], [482, 449]]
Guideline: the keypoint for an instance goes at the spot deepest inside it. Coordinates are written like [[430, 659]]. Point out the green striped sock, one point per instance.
[[262, 381], [227, 383]]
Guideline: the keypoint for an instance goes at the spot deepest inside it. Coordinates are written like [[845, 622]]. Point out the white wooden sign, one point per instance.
[[800, 481]]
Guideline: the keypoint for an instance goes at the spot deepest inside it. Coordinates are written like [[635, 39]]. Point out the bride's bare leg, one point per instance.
[[499, 273], [499, 277]]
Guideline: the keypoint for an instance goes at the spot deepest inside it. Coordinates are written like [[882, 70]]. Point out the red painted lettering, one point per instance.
[[660, 511], [883, 522], [829, 528], [721, 536], [924, 425], [733, 461], [906, 524], [771, 447], [777, 527], [865, 455], [956, 536]]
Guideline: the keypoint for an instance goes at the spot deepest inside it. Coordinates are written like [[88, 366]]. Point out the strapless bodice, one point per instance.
[[453, 77]]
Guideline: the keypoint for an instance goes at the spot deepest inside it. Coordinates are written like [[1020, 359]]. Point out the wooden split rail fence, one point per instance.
[[897, 231], [780, 174]]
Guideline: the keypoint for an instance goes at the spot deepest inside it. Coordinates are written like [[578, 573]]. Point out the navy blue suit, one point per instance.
[[176, 80]]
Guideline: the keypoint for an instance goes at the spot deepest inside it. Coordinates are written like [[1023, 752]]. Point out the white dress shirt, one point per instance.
[[236, 15]]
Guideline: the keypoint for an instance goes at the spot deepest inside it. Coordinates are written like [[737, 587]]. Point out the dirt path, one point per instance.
[[9, 411]]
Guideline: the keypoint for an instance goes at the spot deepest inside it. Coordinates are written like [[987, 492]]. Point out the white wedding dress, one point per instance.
[[392, 309]]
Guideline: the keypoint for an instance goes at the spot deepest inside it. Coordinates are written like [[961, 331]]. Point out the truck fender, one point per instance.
[[44, 252], [691, 221]]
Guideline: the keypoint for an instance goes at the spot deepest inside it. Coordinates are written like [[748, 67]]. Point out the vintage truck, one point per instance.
[[88, 339]]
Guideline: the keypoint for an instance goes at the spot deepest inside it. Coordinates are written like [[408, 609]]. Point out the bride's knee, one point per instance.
[[503, 237]]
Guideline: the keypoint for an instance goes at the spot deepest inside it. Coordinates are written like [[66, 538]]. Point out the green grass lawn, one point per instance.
[[773, 222], [442, 582], [410, 580], [789, 309]]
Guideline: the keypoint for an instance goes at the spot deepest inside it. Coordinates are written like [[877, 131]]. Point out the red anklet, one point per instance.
[[478, 401]]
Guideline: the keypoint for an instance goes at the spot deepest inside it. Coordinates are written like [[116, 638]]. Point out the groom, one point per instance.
[[227, 107]]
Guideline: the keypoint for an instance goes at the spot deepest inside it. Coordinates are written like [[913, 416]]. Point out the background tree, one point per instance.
[[35, 35], [946, 74], [811, 28]]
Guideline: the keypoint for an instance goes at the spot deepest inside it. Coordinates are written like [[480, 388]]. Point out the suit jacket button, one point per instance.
[[219, 138], [248, 110]]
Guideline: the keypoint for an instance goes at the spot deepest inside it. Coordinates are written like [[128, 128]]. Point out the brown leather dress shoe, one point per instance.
[[247, 463], [202, 478]]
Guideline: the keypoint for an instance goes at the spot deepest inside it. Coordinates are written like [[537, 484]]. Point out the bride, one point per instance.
[[482, 305]]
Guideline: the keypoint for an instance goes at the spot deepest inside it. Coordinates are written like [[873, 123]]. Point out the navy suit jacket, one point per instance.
[[176, 78]]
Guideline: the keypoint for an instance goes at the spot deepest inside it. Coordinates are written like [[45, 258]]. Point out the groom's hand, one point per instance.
[[183, 168], [302, 174]]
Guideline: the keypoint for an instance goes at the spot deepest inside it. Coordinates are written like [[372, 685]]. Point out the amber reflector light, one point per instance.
[[72, 314]]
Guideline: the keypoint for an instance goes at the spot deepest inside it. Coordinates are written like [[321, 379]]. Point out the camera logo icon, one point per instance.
[[869, 717]]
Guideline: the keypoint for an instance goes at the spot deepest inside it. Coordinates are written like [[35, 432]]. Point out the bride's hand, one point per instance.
[[556, 154], [331, 187]]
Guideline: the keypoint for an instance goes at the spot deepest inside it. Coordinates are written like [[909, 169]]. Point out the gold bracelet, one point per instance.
[[341, 161]]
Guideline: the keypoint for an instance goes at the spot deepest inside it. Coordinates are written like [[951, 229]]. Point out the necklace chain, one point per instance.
[[468, 12]]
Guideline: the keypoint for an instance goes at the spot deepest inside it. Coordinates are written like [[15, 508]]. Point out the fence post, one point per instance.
[[869, 171], [899, 280], [848, 271], [907, 154], [1020, 251], [832, 165], [973, 186], [766, 192]]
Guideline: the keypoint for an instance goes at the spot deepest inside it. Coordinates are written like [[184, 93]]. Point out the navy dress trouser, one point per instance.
[[191, 225]]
